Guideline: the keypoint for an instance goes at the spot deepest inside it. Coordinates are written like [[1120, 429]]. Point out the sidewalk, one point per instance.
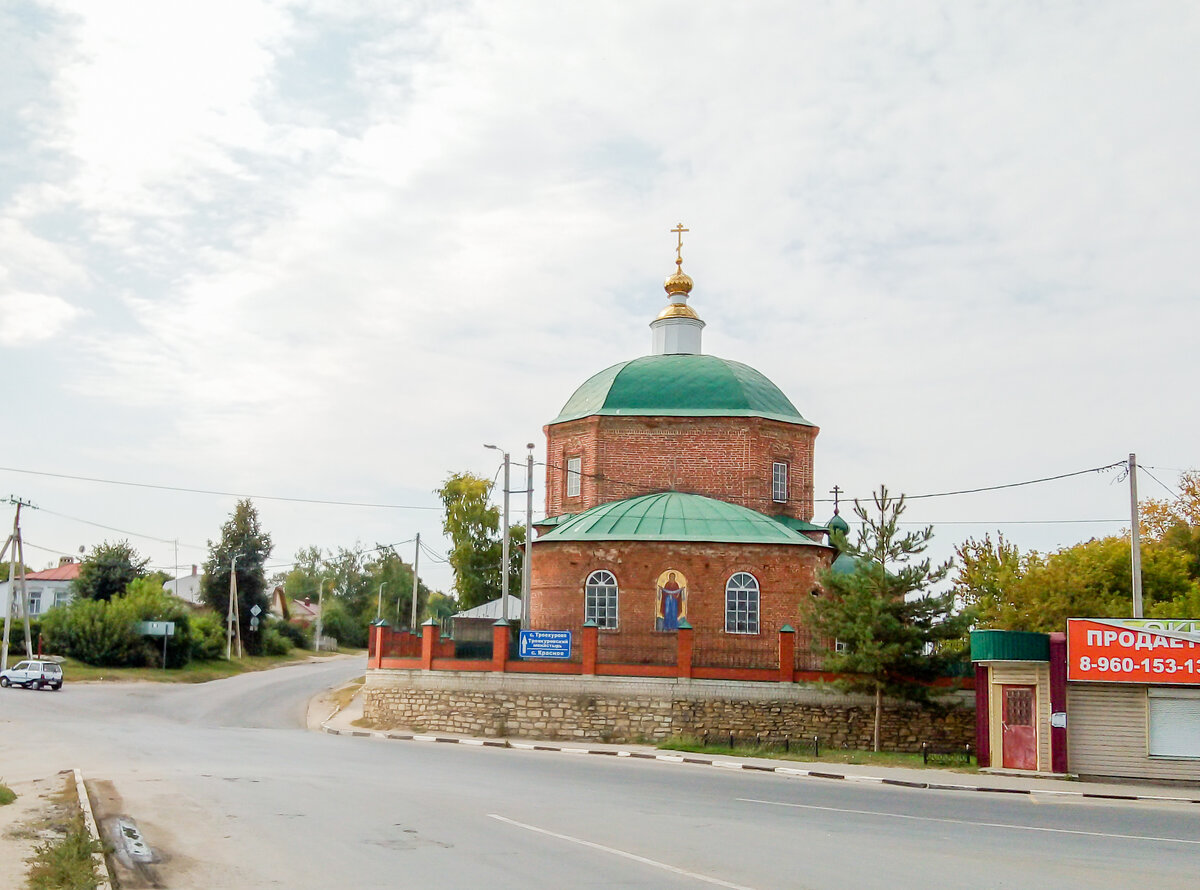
[[342, 723]]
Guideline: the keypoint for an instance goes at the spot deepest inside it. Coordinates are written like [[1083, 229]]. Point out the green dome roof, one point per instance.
[[680, 386], [675, 516], [838, 524]]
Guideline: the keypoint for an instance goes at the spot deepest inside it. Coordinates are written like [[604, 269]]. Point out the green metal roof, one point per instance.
[[799, 525], [845, 564], [680, 386], [675, 516], [1009, 645], [838, 524]]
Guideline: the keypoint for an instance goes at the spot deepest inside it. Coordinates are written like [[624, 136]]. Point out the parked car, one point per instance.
[[37, 674]]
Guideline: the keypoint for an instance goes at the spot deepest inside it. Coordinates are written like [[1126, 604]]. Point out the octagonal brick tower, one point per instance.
[[678, 420]]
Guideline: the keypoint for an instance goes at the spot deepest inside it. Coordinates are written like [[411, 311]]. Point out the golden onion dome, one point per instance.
[[678, 310], [679, 283]]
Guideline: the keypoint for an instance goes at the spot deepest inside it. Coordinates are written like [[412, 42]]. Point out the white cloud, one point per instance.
[[332, 248], [26, 319]]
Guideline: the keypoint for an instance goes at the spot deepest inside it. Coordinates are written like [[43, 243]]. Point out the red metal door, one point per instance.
[[1019, 734]]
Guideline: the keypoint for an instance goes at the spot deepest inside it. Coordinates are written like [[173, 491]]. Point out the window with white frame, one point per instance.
[[741, 604], [779, 480], [574, 471], [600, 599], [35, 602], [1174, 722], [839, 646], [62, 597]]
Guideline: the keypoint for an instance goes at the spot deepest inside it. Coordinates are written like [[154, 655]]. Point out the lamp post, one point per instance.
[[527, 566], [379, 603], [504, 539]]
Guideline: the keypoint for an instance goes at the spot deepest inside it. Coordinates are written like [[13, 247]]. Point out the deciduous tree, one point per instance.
[[108, 570], [473, 526]]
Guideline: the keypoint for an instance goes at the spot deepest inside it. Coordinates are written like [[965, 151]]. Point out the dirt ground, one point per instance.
[[41, 808]]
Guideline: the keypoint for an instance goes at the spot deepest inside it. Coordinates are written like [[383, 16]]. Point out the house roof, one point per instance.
[[675, 516], [680, 386], [492, 610], [66, 572]]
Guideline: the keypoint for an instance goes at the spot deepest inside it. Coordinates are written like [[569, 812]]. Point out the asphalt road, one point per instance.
[[232, 791]]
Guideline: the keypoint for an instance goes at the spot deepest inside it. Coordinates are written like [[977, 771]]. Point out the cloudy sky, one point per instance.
[[328, 249]]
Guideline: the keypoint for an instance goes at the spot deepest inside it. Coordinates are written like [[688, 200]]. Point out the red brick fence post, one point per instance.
[[787, 654], [683, 657], [590, 642]]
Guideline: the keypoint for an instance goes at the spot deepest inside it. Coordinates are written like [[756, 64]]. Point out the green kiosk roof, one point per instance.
[[680, 386], [675, 516]]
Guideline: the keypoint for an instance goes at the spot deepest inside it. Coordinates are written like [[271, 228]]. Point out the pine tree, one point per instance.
[[241, 536], [894, 635]]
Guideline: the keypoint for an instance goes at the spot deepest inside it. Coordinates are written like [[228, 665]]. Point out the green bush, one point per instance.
[[106, 633], [274, 643], [17, 634], [300, 636], [208, 637], [93, 632], [338, 622]]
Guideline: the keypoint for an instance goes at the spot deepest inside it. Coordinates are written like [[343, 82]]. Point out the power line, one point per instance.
[[120, 530], [1172, 492], [227, 494], [909, 497]]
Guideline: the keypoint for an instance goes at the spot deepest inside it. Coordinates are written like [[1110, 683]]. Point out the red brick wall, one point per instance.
[[786, 576], [728, 458]]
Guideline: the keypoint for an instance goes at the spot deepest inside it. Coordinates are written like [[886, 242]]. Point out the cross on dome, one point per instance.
[[677, 328]]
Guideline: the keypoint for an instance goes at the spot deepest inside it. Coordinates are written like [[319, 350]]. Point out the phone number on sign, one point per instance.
[[1115, 665]]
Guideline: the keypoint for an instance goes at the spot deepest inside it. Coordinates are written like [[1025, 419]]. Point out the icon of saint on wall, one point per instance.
[[672, 600]]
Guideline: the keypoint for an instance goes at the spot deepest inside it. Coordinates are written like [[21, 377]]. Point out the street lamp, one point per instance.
[[504, 540], [379, 603]]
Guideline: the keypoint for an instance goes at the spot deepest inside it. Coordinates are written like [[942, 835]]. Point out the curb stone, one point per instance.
[[749, 767], [89, 819]]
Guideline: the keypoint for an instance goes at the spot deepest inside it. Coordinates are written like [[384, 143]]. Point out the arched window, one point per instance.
[[600, 599], [741, 604]]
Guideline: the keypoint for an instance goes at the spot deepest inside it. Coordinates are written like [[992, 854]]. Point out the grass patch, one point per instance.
[[7, 795], [195, 672], [805, 754], [345, 694], [65, 863]]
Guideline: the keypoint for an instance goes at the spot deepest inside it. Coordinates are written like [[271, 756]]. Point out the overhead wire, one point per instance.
[[230, 494]]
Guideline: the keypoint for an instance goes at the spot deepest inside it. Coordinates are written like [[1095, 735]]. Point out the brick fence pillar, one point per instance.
[[683, 652], [590, 642], [500, 638], [787, 654], [429, 635]]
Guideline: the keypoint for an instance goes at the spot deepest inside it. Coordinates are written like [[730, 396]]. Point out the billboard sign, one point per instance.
[[1134, 650]]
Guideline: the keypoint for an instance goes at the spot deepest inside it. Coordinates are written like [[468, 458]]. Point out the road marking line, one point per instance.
[[707, 879], [1126, 837]]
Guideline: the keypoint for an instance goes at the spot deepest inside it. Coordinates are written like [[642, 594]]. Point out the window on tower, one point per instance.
[[574, 471], [779, 482]]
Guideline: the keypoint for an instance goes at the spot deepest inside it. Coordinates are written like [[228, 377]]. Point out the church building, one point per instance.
[[679, 492]]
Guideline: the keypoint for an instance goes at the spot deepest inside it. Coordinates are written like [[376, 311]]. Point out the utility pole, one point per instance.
[[527, 565], [504, 540], [16, 561], [504, 545], [416, 584], [320, 610], [1135, 538], [177, 568], [231, 613]]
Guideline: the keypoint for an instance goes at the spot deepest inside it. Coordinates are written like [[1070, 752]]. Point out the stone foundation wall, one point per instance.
[[619, 709]]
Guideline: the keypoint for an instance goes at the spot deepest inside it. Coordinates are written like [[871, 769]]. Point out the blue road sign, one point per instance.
[[546, 644]]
